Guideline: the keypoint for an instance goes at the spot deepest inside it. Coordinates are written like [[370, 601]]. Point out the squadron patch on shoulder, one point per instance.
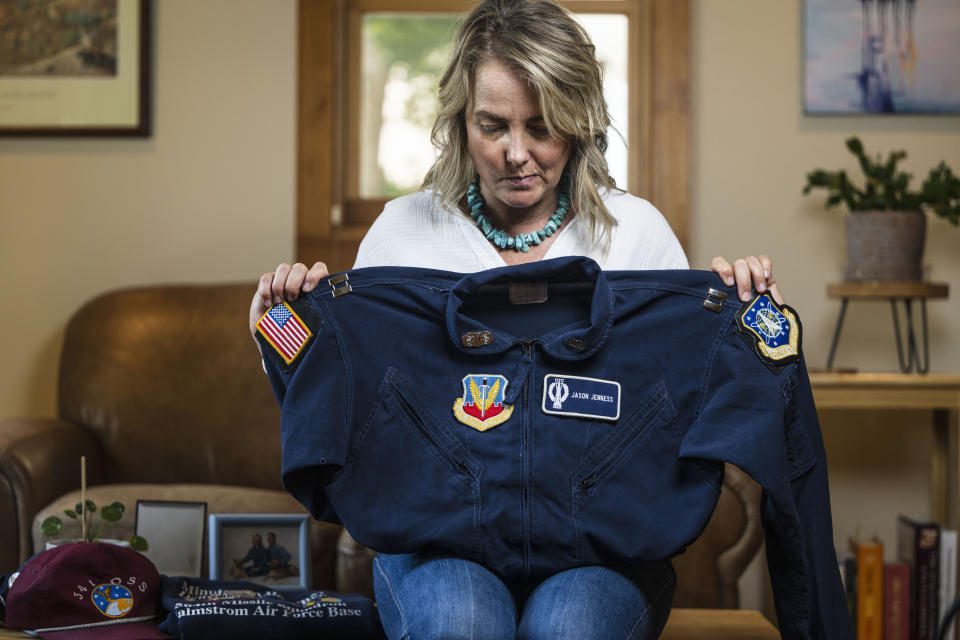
[[286, 330], [481, 405], [581, 397], [773, 330]]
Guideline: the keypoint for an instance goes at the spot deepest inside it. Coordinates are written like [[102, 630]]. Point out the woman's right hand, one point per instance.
[[283, 284]]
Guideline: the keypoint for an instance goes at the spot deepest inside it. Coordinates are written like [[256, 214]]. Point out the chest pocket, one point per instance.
[[408, 482], [633, 498]]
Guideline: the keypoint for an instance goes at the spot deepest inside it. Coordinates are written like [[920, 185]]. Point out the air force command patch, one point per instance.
[[581, 397], [773, 330], [481, 406]]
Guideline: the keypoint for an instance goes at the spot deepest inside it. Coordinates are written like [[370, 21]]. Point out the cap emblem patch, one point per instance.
[[112, 600], [482, 406]]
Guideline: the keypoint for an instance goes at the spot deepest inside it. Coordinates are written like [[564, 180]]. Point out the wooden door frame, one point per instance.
[[663, 100]]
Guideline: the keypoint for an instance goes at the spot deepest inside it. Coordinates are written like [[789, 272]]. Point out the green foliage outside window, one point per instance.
[[417, 46]]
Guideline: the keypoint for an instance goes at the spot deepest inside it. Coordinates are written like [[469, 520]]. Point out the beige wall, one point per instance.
[[752, 146], [210, 197]]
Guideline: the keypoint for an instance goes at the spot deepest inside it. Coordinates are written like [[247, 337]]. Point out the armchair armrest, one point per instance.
[[39, 461], [708, 572]]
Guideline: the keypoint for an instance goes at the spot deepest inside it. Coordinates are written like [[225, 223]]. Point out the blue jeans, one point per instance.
[[425, 596]]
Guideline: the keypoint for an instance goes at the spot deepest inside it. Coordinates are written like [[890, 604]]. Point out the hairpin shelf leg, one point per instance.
[[912, 356], [836, 333]]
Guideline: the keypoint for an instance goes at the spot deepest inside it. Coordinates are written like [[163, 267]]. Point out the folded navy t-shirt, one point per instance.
[[237, 609]]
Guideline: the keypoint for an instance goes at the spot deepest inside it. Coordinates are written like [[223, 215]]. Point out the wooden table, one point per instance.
[[684, 624], [718, 624], [938, 393]]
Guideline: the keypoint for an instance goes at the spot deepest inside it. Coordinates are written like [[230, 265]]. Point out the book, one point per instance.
[[948, 577], [918, 545], [869, 607], [850, 588], [896, 601]]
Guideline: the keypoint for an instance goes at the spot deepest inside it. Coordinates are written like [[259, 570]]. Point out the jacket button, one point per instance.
[[475, 339], [575, 343]]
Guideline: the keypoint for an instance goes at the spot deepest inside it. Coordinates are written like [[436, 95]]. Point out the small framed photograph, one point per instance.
[[269, 549], [174, 531]]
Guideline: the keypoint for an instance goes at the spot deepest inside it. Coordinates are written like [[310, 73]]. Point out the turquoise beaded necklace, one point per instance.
[[521, 241]]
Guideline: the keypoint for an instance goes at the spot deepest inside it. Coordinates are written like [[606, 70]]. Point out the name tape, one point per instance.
[[581, 397]]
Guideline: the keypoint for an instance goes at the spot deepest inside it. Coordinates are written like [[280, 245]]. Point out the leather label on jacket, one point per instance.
[[581, 397], [773, 330], [482, 406]]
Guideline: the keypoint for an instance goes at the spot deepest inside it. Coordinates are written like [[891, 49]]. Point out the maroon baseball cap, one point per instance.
[[86, 591]]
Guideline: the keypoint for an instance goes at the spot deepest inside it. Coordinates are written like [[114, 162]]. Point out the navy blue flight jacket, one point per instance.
[[551, 415]]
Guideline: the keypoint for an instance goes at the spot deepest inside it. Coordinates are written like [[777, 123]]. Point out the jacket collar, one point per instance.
[[571, 342]]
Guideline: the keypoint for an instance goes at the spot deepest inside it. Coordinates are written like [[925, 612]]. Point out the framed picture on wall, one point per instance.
[[78, 68], [881, 56], [269, 549]]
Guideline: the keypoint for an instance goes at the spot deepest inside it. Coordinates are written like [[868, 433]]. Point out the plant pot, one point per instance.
[[885, 245], [59, 541]]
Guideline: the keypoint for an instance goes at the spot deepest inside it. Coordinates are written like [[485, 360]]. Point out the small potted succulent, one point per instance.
[[886, 226], [53, 525]]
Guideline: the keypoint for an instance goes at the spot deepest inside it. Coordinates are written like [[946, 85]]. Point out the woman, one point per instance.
[[520, 176]]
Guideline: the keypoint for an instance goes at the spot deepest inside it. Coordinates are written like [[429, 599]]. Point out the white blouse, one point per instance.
[[419, 231]]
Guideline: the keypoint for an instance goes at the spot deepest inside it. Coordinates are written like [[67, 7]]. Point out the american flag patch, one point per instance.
[[284, 330]]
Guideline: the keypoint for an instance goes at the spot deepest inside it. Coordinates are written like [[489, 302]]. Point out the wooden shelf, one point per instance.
[[938, 393], [886, 289], [833, 390], [718, 624]]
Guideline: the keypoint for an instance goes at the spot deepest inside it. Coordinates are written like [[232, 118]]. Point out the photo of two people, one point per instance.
[[267, 562]]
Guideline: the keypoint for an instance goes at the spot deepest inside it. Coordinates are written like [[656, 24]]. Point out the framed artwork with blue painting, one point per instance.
[[881, 56]]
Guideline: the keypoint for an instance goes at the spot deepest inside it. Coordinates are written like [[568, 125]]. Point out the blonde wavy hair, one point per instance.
[[544, 45]]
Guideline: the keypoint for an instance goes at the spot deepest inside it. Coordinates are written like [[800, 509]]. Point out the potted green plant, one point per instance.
[[53, 525], [886, 227]]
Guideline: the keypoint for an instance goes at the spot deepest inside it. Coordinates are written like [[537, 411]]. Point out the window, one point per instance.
[[368, 76], [403, 56]]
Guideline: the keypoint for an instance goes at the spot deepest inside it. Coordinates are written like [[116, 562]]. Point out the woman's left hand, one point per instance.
[[752, 271]]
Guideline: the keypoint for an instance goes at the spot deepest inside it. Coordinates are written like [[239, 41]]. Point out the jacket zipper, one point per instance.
[[609, 454], [457, 464], [527, 350]]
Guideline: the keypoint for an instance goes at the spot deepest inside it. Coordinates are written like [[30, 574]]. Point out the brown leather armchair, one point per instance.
[[161, 388]]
